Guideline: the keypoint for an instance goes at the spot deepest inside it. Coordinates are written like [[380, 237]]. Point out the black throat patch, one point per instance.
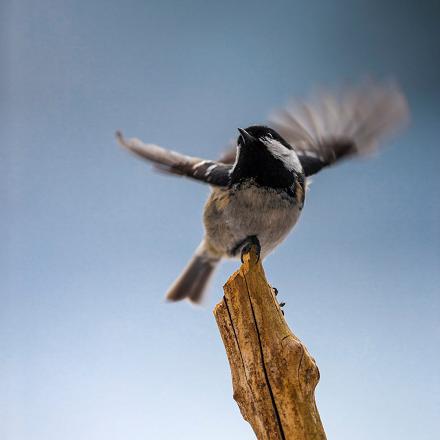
[[255, 162]]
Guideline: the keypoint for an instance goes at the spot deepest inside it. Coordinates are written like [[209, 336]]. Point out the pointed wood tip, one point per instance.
[[251, 257]]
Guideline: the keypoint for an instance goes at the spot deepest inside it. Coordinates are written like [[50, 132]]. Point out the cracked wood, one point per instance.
[[273, 375]]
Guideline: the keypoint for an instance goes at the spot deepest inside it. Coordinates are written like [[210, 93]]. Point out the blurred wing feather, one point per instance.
[[334, 127]]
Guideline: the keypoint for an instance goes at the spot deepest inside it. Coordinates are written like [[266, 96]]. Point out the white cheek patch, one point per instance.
[[282, 153]]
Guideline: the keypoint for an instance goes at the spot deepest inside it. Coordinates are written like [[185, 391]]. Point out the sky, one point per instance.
[[92, 237]]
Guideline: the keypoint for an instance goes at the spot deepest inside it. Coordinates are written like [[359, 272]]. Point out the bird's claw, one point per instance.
[[252, 240]]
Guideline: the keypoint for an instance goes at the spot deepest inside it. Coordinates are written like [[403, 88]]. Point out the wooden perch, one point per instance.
[[273, 375]]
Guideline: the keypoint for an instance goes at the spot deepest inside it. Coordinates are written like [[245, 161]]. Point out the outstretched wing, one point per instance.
[[212, 172], [332, 127]]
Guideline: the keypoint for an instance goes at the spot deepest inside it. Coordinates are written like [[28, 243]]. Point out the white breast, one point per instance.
[[267, 213]]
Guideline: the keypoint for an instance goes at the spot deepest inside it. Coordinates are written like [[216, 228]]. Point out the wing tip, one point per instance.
[[120, 139]]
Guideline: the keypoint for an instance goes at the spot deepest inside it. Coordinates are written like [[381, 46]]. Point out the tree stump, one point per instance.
[[273, 375]]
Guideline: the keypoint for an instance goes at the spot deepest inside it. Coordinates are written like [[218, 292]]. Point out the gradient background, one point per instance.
[[91, 238]]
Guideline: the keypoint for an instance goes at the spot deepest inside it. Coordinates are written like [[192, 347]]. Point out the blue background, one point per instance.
[[91, 238]]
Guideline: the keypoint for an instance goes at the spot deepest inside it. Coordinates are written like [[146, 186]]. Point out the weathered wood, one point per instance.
[[273, 375]]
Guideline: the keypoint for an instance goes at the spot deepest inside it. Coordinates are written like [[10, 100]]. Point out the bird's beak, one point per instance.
[[247, 138]]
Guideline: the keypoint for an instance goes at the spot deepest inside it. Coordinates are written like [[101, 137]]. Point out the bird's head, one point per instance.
[[263, 144], [259, 133]]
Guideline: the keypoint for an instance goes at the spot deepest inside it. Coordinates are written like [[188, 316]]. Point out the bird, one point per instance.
[[258, 187]]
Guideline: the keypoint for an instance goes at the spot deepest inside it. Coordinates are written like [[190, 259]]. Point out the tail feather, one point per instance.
[[193, 280]]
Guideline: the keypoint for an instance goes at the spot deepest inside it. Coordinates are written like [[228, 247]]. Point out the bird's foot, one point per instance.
[[251, 241]]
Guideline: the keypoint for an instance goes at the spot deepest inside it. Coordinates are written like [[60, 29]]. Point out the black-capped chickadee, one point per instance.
[[258, 188]]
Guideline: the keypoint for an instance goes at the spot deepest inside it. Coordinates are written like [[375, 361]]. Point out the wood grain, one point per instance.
[[273, 375]]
